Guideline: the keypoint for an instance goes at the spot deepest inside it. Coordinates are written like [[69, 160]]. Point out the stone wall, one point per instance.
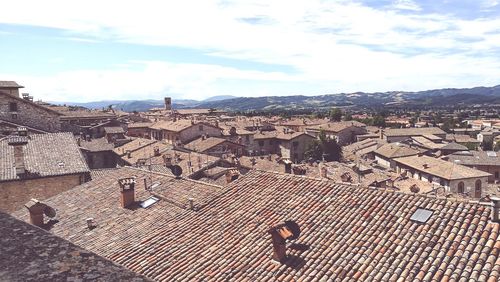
[[14, 194], [29, 114]]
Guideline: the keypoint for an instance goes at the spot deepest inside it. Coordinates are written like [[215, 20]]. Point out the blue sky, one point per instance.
[[97, 50]]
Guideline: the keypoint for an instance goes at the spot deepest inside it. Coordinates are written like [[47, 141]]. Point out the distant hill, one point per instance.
[[218, 98], [436, 97]]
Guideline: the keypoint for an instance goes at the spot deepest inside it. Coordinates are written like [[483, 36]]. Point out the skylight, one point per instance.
[[149, 202], [421, 215]]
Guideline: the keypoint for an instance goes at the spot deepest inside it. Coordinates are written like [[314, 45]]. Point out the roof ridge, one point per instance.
[[173, 177]]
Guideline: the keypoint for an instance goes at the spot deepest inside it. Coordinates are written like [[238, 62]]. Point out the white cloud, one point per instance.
[[406, 5], [338, 45]]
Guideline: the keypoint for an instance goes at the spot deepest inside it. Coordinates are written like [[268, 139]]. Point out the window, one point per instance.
[[14, 116], [261, 143], [200, 127], [271, 142], [295, 144], [421, 215], [13, 106], [247, 137], [496, 174], [149, 202], [461, 187]]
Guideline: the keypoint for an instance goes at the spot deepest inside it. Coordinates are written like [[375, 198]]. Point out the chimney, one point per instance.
[[279, 234], [22, 131], [18, 142], [191, 203], [167, 160], [79, 141], [288, 166], [127, 186], [129, 154], [381, 133], [232, 175], [156, 151], [323, 172], [36, 210], [496, 209]]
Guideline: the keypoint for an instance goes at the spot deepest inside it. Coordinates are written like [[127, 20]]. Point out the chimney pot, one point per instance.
[[191, 203], [127, 192], [36, 210]]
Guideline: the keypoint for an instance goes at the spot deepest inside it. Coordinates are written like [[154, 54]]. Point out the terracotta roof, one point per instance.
[[347, 233], [9, 84], [30, 253], [426, 143], [48, 154], [336, 126], [202, 145], [119, 227], [396, 150], [413, 131], [30, 103], [176, 126], [96, 145], [472, 158], [139, 125], [197, 111], [461, 138], [454, 147], [133, 145], [114, 130], [440, 168]]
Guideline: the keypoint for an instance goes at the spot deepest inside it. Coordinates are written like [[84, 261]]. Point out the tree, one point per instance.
[[379, 121], [348, 117], [335, 114], [487, 146], [324, 148]]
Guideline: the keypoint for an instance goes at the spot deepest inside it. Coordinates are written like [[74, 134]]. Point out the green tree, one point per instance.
[[347, 117], [335, 114], [324, 148], [379, 121]]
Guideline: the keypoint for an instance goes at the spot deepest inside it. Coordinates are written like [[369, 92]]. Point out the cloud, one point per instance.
[[406, 5], [336, 45]]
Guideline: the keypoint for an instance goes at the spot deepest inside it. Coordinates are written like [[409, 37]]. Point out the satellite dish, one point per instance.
[[49, 211], [176, 170]]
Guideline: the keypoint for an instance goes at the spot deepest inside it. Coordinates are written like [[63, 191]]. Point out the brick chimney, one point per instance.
[[495, 217], [156, 151], [323, 172], [36, 210], [232, 175], [18, 142], [127, 192], [279, 234]]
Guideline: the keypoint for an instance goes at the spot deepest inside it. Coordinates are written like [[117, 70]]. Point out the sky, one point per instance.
[[93, 50]]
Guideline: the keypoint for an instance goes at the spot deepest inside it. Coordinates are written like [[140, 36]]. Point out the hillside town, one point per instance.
[[178, 194]]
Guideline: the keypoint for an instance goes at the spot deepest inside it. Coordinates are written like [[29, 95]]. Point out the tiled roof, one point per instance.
[[30, 253], [454, 146], [347, 233], [426, 143], [177, 126], [96, 145], [279, 134], [461, 138], [9, 84], [21, 100], [202, 145], [475, 158], [440, 168], [119, 227], [336, 126], [395, 150], [413, 131], [48, 154], [114, 130], [198, 111], [139, 125], [133, 145]]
